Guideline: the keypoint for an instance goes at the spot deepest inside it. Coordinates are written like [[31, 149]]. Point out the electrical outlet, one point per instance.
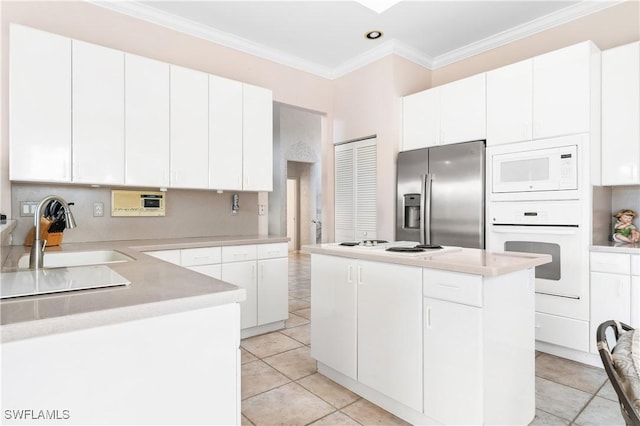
[[260, 209], [98, 209], [28, 208]]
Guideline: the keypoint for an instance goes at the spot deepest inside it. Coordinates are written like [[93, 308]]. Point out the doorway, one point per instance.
[[293, 208]]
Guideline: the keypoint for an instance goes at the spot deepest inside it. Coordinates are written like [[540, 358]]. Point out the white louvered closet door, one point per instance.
[[355, 191]]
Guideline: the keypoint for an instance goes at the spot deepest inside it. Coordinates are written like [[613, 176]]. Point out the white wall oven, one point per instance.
[[539, 201], [548, 228]]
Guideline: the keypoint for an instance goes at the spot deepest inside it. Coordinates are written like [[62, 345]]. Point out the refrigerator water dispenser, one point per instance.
[[412, 211]]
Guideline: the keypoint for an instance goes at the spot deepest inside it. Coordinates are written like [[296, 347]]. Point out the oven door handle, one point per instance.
[[538, 230]]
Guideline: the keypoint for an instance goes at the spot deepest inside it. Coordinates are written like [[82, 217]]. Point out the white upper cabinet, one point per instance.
[[225, 133], [451, 113], [564, 82], [146, 122], [510, 103], [621, 115], [98, 114], [189, 128], [39, 106], [83, 113], [463, 110], [421, 119], [257, 146]]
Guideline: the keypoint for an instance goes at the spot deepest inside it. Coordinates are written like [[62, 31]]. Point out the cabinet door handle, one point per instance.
[[360, 275], [261, 271], [428, 315], [451, 286], [253, 272], [349, 274]]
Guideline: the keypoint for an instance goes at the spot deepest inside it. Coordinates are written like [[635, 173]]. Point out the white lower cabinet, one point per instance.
[[612, 292], [430, 346], [390, 330], [132, 372], [366, 323], [262, 270], [171, 256], [273, 290], [333, 313], [452, 361], [243, 274]]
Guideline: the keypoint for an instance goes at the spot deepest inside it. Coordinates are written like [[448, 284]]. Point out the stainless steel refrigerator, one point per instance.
[[440, 195]]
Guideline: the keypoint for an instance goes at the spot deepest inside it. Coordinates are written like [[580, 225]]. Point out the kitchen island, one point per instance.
[[163, 349], [439, 337]]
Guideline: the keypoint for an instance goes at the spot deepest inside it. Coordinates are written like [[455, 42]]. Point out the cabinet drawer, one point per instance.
[[214, 271], [562, 331], [171, 256], [239, 253], [269, 251], [635, 264], [200, 256], [452, 286], [610, 262]]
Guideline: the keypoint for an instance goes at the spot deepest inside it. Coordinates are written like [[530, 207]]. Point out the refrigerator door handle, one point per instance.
[[425, 203]]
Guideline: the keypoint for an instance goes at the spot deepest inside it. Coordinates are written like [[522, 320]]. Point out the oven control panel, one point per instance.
[[549, 213]]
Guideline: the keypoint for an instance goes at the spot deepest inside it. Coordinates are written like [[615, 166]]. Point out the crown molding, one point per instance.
[[155, 16], [541, 24], [187, 26]]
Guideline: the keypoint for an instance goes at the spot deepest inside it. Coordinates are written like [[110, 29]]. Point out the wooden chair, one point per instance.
[[629, 412]]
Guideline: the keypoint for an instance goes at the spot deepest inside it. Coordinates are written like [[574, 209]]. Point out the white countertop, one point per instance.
[[455, 259], [156, 288], [613, 247]]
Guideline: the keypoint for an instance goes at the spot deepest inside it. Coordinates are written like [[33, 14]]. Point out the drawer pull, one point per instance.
[[452, 286]]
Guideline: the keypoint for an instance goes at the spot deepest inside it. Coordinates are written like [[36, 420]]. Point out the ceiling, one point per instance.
[[327, 37]]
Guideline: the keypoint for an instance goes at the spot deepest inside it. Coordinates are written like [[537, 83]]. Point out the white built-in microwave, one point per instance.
[[535, 170]]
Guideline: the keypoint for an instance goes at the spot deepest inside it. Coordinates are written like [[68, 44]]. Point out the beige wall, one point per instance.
[[362, 103], [611, 27], [368, 102]]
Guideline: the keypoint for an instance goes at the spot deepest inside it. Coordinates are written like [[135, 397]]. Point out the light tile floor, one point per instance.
[[281, 386]]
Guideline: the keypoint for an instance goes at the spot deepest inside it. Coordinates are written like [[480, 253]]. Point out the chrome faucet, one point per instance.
[[37, 249]]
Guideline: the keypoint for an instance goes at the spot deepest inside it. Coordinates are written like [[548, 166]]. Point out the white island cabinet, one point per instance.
[[442, 338], [174, 369]]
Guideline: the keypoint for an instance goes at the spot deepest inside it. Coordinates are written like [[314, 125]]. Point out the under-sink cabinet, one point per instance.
[[261, 269]]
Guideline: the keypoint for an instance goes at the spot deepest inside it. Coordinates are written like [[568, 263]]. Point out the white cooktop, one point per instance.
[[56, 280]]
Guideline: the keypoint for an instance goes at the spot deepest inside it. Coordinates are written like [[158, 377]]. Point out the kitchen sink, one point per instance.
[[76, 258]]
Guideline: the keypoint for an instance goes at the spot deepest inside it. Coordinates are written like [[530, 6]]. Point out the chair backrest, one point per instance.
[[631, 416]]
